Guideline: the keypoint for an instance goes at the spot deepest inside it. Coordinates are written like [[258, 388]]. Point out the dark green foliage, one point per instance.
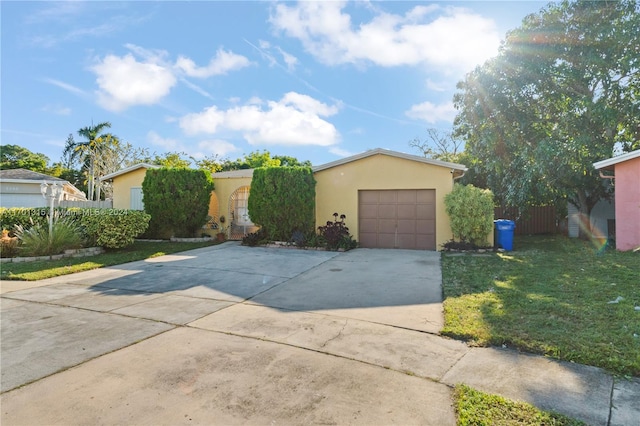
[[255, 238], [282, 200], [17, 157], [335, 234], [25, 217], [177, 199], [113, 228]]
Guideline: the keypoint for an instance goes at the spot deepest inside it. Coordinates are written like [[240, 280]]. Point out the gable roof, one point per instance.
[[13, 175], [609, 162], [380, 151], [129, 169], [31, 177]]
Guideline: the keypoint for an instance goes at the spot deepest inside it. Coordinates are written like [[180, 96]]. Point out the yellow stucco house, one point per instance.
[[391, 199]]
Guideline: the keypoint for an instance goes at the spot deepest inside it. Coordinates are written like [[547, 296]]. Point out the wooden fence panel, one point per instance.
[[533, 220]]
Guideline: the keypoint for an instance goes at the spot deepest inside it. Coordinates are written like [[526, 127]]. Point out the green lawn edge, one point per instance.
[[476, 408], [140, 250]]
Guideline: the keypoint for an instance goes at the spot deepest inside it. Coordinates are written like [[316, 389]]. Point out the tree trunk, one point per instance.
[[585, 205]]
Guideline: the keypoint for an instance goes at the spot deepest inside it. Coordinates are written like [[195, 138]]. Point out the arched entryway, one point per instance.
[[240, 222]]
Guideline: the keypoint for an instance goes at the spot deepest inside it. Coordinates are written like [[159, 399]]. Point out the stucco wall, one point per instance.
[[224, 187], [627, 186], [337, 188], [122, 187]]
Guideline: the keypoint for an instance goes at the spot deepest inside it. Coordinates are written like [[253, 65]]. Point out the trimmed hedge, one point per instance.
[[113, 228], [110, 228], [282, 201], [177, 199]]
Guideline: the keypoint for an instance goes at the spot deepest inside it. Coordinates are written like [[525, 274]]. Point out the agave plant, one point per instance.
[[35, 241]]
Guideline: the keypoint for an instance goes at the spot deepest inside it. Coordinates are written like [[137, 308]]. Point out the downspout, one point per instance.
[[458, 177], [606, 176]]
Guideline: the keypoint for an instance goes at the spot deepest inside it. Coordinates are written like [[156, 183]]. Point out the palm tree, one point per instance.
[[87, 150]]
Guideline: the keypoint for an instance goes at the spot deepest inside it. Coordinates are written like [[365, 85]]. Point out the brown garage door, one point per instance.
[[403, 219]]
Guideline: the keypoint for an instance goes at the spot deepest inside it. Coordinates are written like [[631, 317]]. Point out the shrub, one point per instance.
[[177, 199], [255, 238], [282, 201], [470, 211], [335, 234], [36, 240], [25, 217], [113, 228]]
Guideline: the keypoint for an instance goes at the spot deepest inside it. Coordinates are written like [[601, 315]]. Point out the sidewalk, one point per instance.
[[300, 337]]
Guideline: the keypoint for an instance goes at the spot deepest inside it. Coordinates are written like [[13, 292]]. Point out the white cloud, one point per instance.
[[218, 147], [295, 119], [432, 113], [452, 38], [145, 76], [125, 82], [57, 109], [223, 62], [166, 143], [66, 86], [340, 152]]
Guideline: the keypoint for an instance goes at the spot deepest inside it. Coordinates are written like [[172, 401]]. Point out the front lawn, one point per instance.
[[31, 271], [551, 296]]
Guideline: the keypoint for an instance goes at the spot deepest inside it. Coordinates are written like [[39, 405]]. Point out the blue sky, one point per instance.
[[314, 80]]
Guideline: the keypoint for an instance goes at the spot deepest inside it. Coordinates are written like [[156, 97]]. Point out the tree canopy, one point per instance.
[[563, 93], [17, 157]]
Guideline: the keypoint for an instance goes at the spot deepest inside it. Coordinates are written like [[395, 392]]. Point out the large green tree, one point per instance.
[[563, 92], [18, 157]]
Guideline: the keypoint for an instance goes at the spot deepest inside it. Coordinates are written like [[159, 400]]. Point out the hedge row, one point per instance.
[[110, 228]]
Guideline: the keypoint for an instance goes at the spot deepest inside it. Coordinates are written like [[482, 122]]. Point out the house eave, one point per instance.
[[609, 163]]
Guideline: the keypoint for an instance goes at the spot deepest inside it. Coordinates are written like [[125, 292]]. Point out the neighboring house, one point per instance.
[[391, 199], [624, 170], [21, 188], [127, 186]]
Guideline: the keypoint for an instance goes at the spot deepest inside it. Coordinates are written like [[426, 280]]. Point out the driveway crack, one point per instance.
[[337, 335]]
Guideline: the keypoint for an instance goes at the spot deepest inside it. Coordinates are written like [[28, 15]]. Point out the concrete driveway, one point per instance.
[[229, 335]]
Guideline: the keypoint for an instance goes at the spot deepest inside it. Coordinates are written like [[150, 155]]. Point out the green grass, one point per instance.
[[31, 271], [549, 296], [478, 408]]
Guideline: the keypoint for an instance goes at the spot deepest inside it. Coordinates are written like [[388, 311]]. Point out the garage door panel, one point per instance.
[[368, 240], [386, 241], [406, 226], [369, 225], [407, 241], [425, 211], [386, 226], [425, 226], [425, 242], [368, 211], [369, 197], [387, 211], [406, 211], [397, 219], [388, 197], [426, 196]]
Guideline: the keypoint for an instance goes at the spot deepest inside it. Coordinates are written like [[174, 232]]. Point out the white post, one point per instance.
[[51, 192]]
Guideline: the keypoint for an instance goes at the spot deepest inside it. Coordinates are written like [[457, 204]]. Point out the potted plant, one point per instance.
[[222, 230]]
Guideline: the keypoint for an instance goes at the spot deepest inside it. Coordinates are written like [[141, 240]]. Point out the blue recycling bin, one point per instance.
[[504, 233]]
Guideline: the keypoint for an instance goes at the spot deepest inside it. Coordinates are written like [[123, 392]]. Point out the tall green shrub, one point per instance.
[[177, 199], [112, 228], [283, 200], [470, 211]]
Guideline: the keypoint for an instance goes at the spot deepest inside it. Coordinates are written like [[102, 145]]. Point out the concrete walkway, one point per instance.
[[230, 334]]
